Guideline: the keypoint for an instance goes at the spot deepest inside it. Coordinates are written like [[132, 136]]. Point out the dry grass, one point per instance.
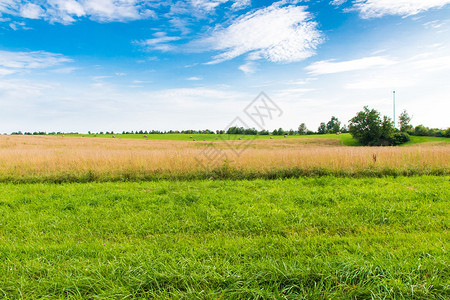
[[43, 158]]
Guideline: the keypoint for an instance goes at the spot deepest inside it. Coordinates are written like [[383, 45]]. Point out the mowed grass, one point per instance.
[[308, 238], [25, 159]]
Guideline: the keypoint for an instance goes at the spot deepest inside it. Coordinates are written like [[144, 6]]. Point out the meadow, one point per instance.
[[288, 218], [304, 238], [81, 159]]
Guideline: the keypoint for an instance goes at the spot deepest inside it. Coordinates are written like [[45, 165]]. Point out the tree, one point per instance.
[[333, 125], [302, 129], [404, 120], [322, 128], [369, 129], [447, 132], [421, 130], [366, 126], [280, 131], [387, 128]]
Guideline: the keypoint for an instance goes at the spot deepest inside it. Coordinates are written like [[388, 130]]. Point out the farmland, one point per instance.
[[289, 218], [78, 159]]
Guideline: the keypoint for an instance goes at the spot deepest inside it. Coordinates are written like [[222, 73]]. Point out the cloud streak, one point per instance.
[[17, 61], [277, 33], [331, 66], [378, 8], [68, 11]]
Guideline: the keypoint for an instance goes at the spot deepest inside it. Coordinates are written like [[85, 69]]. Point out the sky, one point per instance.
[[122, 65]]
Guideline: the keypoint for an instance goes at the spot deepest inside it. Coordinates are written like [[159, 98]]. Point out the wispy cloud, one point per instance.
[[17, 61], [379, 8], [194, 78], [331, 66], [67, 11], [160, 42], [277, 33], [248, 68]]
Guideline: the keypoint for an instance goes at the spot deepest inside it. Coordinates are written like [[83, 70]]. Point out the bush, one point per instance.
[[399, 138], [421, 130], [447, 133]]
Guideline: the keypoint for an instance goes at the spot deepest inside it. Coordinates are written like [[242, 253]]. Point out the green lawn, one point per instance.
[[315, 238], [427, 139]]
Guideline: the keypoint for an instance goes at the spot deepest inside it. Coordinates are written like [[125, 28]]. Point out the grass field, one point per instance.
[[345, 138], [72, 159], [314, 238], [102, 218]]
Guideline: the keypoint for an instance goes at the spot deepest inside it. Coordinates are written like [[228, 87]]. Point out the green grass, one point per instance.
[[426, 139], [313, 238]]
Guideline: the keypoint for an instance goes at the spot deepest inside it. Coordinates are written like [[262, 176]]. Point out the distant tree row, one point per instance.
[[368, 127]]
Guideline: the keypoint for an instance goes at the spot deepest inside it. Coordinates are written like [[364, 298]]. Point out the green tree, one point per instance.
[[404, 120], [387, 128], [447, 132], [302, 130], [369, 129], [322, 128], [334, 125], [421, 130], [366, 126]]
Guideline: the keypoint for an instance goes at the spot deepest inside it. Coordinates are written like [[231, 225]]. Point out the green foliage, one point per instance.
[[242, 130], [404, 122], [279, 131], [368, 128], [421, 130], [334, 125], [302, 130], [314, 238], [447, 133], [399, 138], [322, 128]]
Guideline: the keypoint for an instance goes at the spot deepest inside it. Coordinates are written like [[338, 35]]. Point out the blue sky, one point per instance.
[[103, 65]]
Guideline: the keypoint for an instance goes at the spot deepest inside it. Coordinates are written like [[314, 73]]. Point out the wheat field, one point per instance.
[[48, 158]]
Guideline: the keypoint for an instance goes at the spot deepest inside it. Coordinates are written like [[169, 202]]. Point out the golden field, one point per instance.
[[51, 158]]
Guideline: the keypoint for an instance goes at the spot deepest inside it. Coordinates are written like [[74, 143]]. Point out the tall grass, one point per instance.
[[63, 159]]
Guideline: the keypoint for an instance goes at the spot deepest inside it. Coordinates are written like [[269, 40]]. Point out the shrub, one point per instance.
[[421, 130], [399, 138]]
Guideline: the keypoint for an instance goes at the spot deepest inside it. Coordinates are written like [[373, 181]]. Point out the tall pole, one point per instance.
[[394, 108]]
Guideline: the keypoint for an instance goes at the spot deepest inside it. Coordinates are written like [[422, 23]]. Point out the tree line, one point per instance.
[[367, 126]]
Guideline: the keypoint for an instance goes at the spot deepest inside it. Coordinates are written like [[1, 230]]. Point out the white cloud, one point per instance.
[[30, 60], [409, 72], [18, 25], [330, 66], [379, 8], [240, 4], [277, 33], [248, 68], [337, 2], [194, 78], [31, 11], [4, 72], [66, 70], [66, 11], [203, 8], [160, 42]]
